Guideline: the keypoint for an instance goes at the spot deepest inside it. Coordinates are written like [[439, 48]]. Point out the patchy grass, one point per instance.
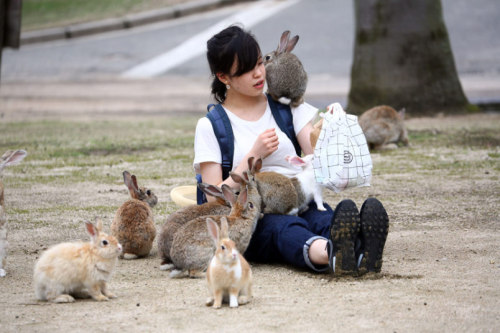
[[38, 14]]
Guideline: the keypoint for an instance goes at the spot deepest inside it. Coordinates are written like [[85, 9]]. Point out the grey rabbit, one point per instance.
[[182, 216], [382, 126], [283, 195], [285, 75], [192, 247], [8, 158]]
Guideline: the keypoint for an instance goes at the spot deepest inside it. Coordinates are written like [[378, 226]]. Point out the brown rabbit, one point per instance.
[[186, 214], [133, 224], [382, 125], [9, 158], [192, 248], [228, 275]]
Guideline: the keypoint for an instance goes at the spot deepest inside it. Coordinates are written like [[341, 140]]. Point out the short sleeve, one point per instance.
[[302, 115], [206, 146]]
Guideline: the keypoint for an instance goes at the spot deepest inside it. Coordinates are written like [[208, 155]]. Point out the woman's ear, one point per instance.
[[222, 78]]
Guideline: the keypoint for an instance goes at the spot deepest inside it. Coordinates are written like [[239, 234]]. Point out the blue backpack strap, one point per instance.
[[224, 134], [283, 115]]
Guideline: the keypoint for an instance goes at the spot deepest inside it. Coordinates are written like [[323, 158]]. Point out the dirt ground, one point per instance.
[[441, 261]]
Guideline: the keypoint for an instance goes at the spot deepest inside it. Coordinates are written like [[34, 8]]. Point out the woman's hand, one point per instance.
[[266, 144]]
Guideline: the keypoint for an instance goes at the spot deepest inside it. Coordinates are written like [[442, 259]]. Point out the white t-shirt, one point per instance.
[[206, 147]]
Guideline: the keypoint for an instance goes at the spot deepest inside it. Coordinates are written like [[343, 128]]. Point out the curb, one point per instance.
[[125, 22]]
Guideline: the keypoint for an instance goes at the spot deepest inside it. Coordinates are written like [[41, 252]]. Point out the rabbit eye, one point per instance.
[[104, 242], [148, 192], [222, 247], [268, 57], [250, 205]]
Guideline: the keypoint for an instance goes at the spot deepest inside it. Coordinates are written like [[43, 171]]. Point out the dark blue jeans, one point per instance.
[[284, 238]]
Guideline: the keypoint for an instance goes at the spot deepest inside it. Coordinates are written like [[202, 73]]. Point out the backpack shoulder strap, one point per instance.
[[283, 115], [224, 134]]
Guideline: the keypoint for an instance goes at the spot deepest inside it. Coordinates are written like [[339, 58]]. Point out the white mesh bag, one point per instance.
[[341, 156]]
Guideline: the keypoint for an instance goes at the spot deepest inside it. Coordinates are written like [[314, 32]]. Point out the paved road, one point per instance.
[[326, 30]]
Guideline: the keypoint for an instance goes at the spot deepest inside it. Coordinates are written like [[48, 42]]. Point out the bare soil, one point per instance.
[[441, 261]]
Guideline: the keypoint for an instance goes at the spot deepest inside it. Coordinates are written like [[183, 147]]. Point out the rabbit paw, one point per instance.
[[243, 299], [2, 272], [100, 298], [209, 301], [64, 299], [129, 256], [166, 267]]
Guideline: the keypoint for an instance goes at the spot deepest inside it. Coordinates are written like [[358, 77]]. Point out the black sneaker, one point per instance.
[[374, 230], [344, 232]]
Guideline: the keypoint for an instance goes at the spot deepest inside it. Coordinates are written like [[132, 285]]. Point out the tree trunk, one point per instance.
[[403, 58]]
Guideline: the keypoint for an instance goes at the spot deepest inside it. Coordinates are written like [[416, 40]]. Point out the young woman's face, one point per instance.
[[250, 83]]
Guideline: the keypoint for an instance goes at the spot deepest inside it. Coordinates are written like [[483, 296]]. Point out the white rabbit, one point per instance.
[[228, 275], [77, 269], [9, 158], [305, 183]]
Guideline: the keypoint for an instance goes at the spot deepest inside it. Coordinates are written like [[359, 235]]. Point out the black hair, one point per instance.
[[232, 43]]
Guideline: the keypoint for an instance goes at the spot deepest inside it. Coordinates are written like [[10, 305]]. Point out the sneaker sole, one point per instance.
[[374, 230], [343, 233]]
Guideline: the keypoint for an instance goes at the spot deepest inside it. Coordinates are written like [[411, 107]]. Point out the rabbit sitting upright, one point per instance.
[[228, 273], [285, 75], [191, 247], [382, 126], [133, 224], [9, 158], [186, 214], [77, 269]]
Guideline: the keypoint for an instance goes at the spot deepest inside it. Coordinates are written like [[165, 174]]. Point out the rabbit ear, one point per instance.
[[98, 224], [210, 189], [242, 197], [224, 228], [250, 162], [257, 166], [12, 158], [237, 178], [402, 113], [228, 194], [246, 177], [131, 183], [291, 44], [295, 160], [283, 42], [213, 230], [92, 230]]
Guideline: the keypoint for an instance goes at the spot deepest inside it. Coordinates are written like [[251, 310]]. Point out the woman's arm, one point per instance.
[[304, 139], [211, 172]]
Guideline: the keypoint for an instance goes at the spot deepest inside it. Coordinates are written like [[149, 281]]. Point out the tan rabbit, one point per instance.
[[229, 275], [77, 269], [133, 224], [9, 158], [192, 248], [382, 126], [285, 75], [186, 214]]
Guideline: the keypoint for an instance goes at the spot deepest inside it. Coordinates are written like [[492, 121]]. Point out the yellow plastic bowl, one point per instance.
[[184, 195]]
